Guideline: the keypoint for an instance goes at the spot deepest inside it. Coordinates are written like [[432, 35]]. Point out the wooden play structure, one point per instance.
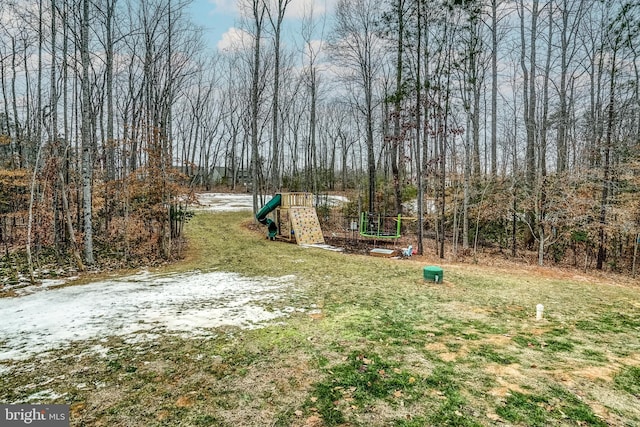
[[294, 218]]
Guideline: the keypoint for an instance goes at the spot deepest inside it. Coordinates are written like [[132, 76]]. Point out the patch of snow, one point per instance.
[[331, 200], [225, 202], [47, 283], [294, 310], [44, 284], [99, 350], [142, 337], [134, 306], [411, 207], [235, 202], [23, 285], [323, 246], [44, 396]]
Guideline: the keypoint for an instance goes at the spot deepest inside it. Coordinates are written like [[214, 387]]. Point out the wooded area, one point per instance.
[[513, 123]]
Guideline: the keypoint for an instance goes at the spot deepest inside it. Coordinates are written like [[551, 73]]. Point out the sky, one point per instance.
[[221, 19], [216, 17]]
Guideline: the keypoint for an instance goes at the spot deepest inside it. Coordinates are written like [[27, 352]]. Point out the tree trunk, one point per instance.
[[313, 151], [69, 224], [635, 255], [87, 143], [371, 160], [418, 131], [607, 165], [529, 98], [275, 160], [32, 279], [111, 149], [53, 105], [562, 125], [39, 110], [397, 142], [258, 15], [18, 132], [541, 239], [466, 189], [494, 88]]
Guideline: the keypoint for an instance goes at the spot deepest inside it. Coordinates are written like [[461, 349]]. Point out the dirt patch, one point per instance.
[[312, 421], [500, 371], [185, 401], [593, 373], [498, 340], [451, 356], [436, 347], [361, 246], [470, 312], [506, 389], [284, 387], [507, 377], [445, 352], [632, 360]]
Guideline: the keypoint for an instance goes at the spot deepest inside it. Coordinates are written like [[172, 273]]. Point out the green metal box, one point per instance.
[[433, 274]]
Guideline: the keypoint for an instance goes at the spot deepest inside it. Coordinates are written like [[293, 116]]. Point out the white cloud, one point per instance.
[[235, 39], [297, 9], [224, 6], [314, 49]]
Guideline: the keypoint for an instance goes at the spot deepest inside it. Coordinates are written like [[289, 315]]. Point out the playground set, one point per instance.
[[293, 217]]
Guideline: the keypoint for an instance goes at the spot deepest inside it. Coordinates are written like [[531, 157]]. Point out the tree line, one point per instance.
[[513, 123]]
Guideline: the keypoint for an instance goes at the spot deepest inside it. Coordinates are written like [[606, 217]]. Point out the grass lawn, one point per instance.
[[371, 345]]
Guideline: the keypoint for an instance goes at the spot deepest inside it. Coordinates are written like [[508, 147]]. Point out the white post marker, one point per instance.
[[539, 311]]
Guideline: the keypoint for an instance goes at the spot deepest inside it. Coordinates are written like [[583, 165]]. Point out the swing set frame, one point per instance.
[[376, 226]]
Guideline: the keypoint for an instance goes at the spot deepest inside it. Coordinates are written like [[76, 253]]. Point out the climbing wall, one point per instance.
[[305, 226]]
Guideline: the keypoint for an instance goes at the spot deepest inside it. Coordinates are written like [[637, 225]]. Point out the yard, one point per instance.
[[341, 339]]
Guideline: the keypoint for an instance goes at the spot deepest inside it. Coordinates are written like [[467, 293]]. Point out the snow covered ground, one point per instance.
[[228, 202], [225, 202], [42, 318], [184, 303]]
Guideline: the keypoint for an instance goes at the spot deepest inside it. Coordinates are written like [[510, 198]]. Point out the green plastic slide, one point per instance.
[[261, 216]]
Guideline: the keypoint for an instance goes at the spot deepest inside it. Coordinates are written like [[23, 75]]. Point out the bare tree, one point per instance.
[[572, 13], [258, 10], [529, 97], [311, 78], [87, 141], [494, 88], [355, 45], [275, 18], [618, 37]]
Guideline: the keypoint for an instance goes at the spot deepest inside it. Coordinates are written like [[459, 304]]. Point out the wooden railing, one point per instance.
[[296, 200]]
